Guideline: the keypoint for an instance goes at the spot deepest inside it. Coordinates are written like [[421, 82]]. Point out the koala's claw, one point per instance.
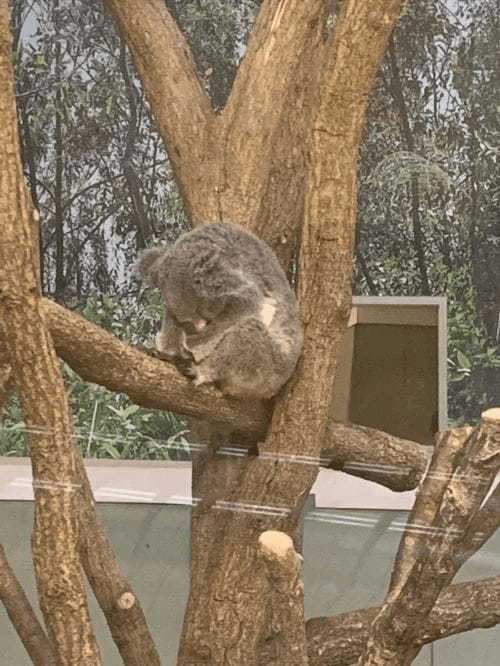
[[186, 367]]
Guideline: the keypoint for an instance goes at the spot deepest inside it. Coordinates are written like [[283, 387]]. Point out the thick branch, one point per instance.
[[284, 590], [178, 100], [266, 91], [21, 614], [101, 358], [340, 640], [398, 464], [463, 467]]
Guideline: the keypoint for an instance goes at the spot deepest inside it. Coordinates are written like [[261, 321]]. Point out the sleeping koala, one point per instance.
[[230, 317]]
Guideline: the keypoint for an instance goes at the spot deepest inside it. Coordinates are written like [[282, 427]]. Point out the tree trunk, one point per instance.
[[42, 395]]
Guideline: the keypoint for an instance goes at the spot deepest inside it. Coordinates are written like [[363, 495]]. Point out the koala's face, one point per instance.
[[190, 310]]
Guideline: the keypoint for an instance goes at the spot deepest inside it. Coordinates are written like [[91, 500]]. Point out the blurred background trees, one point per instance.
[[429, 197]]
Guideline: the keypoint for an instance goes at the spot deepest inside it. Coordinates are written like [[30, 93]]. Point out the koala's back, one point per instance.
[[228, 304], [237, 252]]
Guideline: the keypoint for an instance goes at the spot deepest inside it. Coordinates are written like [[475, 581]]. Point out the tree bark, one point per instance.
[[21, 614], [398, 464], [42, 395], [229, 620], [245, 164], [463, 467], [6, 376], [340, 640]]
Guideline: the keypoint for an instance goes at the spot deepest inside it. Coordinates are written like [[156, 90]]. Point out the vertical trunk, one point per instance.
[[28, 156], [43, 398], [60, 282], [233, 617]]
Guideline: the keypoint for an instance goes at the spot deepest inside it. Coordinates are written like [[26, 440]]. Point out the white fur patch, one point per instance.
[[284, 343], [199, 377], [200, 324], [267, 311]]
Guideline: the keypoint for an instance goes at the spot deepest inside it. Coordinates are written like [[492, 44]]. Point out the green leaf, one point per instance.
[[112, 450], [463, 360]]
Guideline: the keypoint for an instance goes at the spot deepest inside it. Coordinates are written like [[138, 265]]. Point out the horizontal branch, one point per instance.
[[339, 640], [398, 464], [100, 357]]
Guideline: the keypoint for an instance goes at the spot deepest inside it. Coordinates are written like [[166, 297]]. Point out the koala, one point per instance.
[[230, 318]]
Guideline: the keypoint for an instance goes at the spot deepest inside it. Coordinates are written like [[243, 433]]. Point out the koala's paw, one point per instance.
[[186, 367], [200, 376]]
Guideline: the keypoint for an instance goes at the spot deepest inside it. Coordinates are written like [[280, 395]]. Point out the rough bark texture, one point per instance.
[[102, 358], [484, 525], [118, 602], [340, 640], [6, 376], [462, 470], [245, 164], [42, 395], [376, 456], [21, 614], [371, 454]]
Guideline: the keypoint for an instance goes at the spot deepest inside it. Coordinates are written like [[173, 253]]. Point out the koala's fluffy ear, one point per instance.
[[150, 265]]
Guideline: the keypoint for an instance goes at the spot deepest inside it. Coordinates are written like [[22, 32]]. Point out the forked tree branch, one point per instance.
[[463, 467], [235, 165], [340, 640]]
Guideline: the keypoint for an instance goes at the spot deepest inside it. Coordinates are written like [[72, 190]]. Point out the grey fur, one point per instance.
[[228, 308]]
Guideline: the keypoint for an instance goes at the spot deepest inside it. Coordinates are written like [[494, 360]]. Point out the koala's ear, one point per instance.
[[151, 265]]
